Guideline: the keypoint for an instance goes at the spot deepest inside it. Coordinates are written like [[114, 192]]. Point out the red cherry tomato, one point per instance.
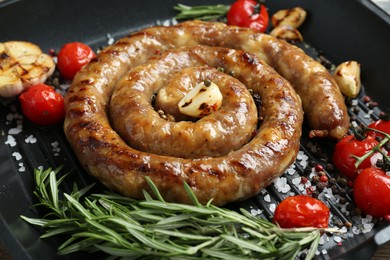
[[248, 13], [302, 211], [42, 105], [371, 192], [348, 147], [381, 125], [72, 57]]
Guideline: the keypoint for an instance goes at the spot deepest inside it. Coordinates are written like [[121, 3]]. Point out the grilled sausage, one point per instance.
[[225, 130], [236, 175]]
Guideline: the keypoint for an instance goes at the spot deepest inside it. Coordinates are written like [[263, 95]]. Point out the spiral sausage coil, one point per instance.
[[113, 120]]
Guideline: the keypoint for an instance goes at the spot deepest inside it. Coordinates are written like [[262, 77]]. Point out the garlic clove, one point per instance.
[[202, 100], [347, 76], [287, 33], [293, 17], [22, 64]]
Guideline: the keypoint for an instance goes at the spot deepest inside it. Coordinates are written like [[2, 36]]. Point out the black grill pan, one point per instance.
[[338, 30]]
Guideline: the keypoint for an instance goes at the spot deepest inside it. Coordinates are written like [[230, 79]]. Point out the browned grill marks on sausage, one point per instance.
[[239, 174]]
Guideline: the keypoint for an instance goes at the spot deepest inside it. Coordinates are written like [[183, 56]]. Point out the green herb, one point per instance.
[[154, 228], [201, 12]]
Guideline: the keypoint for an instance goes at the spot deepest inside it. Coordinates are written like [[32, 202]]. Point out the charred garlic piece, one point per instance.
[[293, 17], [22, 64], [347, 76], [202, 100], [287, 33]]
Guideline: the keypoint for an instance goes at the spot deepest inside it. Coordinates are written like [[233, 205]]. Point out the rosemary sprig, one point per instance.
[[124, 227], [377, 148], [201, 12]]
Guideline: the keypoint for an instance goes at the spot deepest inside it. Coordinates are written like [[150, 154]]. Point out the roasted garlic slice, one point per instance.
[[347, 76], [293, 17], [203, 99], [287, 33], [22, 64]]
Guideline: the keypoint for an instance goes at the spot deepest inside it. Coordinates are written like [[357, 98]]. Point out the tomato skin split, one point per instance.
[[42, 105], [302, 211]]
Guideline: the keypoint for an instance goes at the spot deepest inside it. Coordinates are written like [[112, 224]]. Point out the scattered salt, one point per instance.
[[14, 131], [272, 207], [11, 141], [354, 102], [337, 239], [355, 230], [256, 212], [324, 252], [31, 139], [17, 156], [281, 185], [55, 148], [111, 40], [267, 198], [21, 167], [291, 170]]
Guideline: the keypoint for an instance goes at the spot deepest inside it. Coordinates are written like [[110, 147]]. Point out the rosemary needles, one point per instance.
[[154, 228]]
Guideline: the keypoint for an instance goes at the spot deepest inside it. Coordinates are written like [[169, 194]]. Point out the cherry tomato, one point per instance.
[[371, 192], [302, 211], [72, 57], [42, 105], [348, 147], [248, 13], [381, 125]]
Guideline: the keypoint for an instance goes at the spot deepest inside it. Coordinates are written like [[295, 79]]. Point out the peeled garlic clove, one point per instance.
[[287, 33], [202, 100], [347, 76], [293, 17]]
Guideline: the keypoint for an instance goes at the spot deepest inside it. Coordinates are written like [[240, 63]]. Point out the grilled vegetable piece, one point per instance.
[[22, 65], [293, 17], [347, 76]]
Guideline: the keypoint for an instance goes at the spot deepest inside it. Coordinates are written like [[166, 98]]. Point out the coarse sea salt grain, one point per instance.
[[30, 139], [111, 39], [354, 102], [291, 170], [337, 239], [272, 207], [281, 185], [10, 141], [15, 131], [324, 251], [21, 167], [256, 212], [55, 148], [267, 198], [17, 155]]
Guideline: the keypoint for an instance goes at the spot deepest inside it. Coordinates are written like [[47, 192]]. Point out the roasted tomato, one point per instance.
[[346, 149], [371, 192], [248, 13], [302, 211], [42, 105], [72, 57]]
